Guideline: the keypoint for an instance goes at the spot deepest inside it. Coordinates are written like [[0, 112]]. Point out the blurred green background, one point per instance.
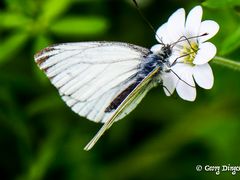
[[163, 138]]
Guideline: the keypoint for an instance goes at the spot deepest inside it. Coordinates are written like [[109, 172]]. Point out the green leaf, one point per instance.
[[53, 8], [43, 104], [75, 26], [41, 42], [46, 154], [23, 6], [11, 46], [15, 5], [12, 20], [220, 3], [231, 43]]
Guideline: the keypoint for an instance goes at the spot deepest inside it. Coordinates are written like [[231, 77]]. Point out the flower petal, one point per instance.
[[203, 76], [174, 57], [162, 34], [210, 27], [156, 48], [185, 86], [175, 25], [185, 91], [182, 70], [205, 53], [193, 21], [169, 83]]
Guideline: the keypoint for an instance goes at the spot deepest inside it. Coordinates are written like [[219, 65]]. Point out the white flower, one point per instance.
[[190, 51]]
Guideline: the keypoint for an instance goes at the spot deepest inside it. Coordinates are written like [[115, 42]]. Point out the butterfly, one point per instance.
[[103, 81]]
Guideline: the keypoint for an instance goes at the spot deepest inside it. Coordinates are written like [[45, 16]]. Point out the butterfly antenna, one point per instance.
[[184, 38], [146, 20], [181, 78]]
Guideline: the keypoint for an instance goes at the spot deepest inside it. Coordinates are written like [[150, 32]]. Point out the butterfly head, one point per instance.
[[166, 51]]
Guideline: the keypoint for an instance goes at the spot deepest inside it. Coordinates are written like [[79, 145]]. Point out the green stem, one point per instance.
[[227, 63]]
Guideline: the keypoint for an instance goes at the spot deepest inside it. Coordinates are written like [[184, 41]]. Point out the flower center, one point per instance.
[[189, 52]]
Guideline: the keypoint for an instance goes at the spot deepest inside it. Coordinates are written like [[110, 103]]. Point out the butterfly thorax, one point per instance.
[[154, 60]]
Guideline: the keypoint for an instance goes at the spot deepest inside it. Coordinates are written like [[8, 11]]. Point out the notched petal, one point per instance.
[[206, 52], [175, 25], [169, 83], [156, 48], [193, 21], [162, 34], [203, 76], [210, 27], [185, 86], [185, 91]]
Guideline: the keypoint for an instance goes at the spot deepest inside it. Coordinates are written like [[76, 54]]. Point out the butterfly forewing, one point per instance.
[[91, 75]]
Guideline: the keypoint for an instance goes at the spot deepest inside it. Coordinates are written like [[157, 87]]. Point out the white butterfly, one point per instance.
[[103, 81]]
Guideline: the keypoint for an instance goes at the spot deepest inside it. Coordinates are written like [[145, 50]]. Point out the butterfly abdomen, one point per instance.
[[120, 98]]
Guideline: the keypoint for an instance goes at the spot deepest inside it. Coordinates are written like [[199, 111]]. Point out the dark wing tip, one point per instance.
[[41, 56]]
